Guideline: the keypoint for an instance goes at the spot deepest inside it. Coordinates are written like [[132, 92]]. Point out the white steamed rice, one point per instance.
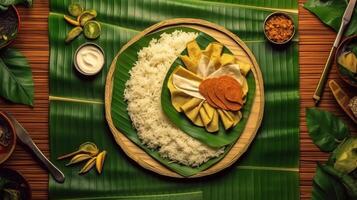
[[143, 94]]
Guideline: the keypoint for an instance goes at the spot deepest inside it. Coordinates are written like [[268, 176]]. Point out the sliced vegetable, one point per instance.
[[100, 161], [75, 9], [87, 151], [325, 129], [79, 158], [86, 16], [71, 21], [222, 137], [92, 29], [73, 33], [87, 147], [88, 166]]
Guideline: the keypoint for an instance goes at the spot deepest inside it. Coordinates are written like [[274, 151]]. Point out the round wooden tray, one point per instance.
[[241, 51]]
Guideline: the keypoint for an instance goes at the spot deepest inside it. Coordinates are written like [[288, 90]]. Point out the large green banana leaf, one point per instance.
[[330, 12], [269, 169]]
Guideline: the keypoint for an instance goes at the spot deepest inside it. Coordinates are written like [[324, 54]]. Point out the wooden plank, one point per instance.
[[315, 42]]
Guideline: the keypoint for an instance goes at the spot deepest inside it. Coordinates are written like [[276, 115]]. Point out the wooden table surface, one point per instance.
[[315, 43]]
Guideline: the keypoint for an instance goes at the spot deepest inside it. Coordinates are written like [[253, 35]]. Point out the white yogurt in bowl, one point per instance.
[[89, 59]]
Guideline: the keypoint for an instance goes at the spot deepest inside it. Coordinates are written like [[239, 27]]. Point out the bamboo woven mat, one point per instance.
[[315, 43]]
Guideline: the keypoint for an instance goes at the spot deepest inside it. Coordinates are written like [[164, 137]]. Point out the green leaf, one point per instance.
[[346, 180], [222, 137], [330, 12], [325, 129], [346, 156], [16, 82], [326, 187], [267, 171]]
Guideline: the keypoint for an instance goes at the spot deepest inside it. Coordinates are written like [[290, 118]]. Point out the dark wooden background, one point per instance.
[[315, 43]]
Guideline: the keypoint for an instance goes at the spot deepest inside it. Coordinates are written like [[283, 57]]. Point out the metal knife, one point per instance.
[[345, 21], [25, 138]]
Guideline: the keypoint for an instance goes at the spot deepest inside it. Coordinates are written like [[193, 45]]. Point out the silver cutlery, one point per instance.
[[25, 138]]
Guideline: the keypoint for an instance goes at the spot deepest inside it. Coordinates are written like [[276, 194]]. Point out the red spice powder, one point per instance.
[[279, 28]]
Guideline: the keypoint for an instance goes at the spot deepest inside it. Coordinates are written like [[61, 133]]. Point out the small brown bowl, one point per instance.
[[278, 14], [7, 138], [18, 182], [340, 49], [12, 9]]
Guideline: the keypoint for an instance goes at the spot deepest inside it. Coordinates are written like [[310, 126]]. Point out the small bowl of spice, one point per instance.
[[89, 59], [7, 138], [279, 28], [9, 26]]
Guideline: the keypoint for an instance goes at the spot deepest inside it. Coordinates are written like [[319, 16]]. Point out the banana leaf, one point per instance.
[[327, 187], [330, 12], [268, 170], [222, 137]]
